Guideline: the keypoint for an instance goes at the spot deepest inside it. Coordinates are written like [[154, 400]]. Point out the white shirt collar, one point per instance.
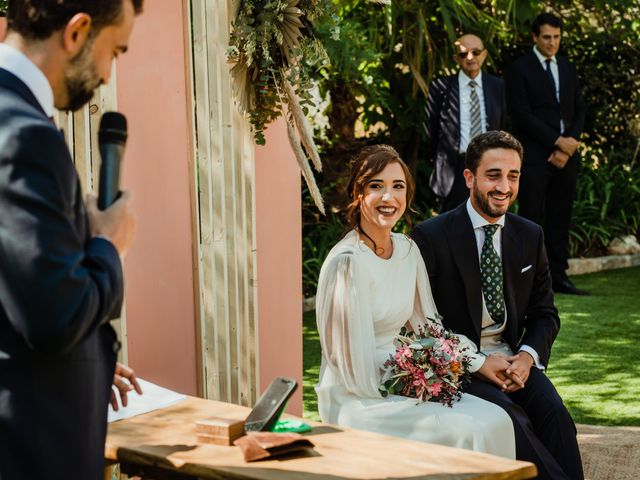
[[476, 219], [542, 58], [464, 79], [19, 64]]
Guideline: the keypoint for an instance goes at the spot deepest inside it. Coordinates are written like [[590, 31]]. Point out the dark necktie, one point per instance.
[[474, 101], [491, 275], [550, 74]]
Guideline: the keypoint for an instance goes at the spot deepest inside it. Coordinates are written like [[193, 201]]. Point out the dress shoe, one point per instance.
[[564, 285]]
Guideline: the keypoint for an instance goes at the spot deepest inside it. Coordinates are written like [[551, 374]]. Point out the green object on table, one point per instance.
[[291, 426]]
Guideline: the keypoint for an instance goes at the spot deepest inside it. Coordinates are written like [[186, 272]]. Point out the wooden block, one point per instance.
[[218, 430]]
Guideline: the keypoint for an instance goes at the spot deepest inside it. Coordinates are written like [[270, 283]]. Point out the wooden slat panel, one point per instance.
[[193, 191], [205, 221], [82, 147], [225, 204]]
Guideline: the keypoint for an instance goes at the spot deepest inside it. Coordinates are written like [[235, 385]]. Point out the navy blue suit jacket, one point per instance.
[[534, 108], [448, 245], [442, 124], [58, 290]]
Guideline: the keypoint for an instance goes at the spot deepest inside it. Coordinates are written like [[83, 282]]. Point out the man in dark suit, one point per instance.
[[490, 281], [459, 107], [61, 278], [548, 112]]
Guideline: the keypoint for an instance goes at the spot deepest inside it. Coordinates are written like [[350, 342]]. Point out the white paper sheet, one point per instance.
[[153, 397]]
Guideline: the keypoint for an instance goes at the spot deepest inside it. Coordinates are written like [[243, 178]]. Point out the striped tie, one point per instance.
[[476, 124]]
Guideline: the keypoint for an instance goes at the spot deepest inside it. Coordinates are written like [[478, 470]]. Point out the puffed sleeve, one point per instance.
[[345, 324], [424, 307]]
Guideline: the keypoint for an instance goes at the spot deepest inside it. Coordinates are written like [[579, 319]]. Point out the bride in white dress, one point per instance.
[[371, 284]]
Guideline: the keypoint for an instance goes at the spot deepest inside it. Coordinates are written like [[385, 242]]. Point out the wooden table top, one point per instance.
[[166, 438]]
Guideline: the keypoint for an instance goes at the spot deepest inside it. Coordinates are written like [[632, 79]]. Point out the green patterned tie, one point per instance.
[[491, 275], [476, 124]]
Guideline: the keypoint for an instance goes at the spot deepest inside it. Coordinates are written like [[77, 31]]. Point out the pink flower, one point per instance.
[[434, 389]]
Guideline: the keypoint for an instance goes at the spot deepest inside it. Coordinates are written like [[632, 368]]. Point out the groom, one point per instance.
[[490, 279]]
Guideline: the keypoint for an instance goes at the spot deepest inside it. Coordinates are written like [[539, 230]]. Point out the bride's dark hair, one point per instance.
[[367, 163]]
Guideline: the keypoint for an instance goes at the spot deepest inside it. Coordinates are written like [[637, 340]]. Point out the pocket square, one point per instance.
[[525, 269]]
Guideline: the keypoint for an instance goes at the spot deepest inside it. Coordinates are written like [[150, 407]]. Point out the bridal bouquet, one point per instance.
[[427, 365]]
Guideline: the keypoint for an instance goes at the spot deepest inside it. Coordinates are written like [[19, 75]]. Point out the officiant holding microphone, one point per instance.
[[61, 278]]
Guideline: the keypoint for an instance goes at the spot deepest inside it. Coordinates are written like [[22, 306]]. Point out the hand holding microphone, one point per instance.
[[109, 213]]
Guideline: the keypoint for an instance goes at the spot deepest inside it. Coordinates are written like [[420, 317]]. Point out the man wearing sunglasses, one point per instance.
[[548, 113], [459, 107]]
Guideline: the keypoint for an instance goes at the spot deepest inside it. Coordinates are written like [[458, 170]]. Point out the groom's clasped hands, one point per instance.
[[510, 373]]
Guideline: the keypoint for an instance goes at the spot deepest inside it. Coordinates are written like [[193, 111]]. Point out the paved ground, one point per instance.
[[610, 453]]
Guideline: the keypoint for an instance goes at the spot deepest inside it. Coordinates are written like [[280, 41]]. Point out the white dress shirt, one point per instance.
[[465, 107], [554, 72], [491, 340], [18, 64]]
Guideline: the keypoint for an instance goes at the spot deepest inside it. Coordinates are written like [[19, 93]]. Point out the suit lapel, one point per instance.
[[465, 253], [563, 74], [9, 81], [454, 102], [489, 95], [511, 264], [541, 76]]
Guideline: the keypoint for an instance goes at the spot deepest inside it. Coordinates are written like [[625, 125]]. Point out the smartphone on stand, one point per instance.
[[270, 405]]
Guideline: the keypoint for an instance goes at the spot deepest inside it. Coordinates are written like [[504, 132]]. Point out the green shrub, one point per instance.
[[607, 205], [383, 57], [317, 240]]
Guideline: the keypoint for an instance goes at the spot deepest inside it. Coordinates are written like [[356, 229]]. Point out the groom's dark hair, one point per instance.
[[489, 141], [39, 19]]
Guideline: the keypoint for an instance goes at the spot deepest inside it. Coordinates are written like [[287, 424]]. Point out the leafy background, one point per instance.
[[382, 58]]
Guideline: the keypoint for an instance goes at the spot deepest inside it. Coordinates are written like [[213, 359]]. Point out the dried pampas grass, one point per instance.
[[305, 168]]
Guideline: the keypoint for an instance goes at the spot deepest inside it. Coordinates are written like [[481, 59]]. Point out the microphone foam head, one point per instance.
[[113, 128]]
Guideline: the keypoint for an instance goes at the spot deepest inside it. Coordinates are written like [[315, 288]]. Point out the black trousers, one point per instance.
[[546, 198], [544, 430], [459, 191]]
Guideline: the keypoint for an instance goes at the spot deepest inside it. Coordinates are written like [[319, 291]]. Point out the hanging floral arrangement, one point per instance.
[[270, 39]]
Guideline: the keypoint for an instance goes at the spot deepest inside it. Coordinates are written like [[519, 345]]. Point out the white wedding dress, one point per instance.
[[361, 304]]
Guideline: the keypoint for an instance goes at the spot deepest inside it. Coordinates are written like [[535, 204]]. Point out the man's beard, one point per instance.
[[81, 78], [483, 203]]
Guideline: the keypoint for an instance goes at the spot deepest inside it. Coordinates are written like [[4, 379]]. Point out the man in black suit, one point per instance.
[[490, 281], [548, 112], [61, 278], [459, 107]]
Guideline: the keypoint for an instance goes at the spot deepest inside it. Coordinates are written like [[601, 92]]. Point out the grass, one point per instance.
[[311, 365], [595, 362]]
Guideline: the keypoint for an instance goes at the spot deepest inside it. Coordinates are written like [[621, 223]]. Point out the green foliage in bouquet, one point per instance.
[[428, 365]]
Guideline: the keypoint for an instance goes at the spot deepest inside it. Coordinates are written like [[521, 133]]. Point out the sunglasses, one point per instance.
[[475, 52]]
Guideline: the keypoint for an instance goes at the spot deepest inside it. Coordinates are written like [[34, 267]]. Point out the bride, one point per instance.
[[371, 284]]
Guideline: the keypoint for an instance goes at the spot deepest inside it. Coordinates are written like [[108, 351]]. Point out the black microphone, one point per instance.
[[112, 137]]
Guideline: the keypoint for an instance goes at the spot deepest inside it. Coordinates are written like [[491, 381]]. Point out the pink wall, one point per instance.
[[279, 258], [159, 269]]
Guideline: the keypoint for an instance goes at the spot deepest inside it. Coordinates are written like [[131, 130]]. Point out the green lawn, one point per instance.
[[595, 363]]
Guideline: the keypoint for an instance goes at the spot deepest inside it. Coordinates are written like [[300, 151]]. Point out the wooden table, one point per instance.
[[162, 445]]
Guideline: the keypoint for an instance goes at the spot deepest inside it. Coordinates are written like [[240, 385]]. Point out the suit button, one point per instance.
[[116, 346]]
